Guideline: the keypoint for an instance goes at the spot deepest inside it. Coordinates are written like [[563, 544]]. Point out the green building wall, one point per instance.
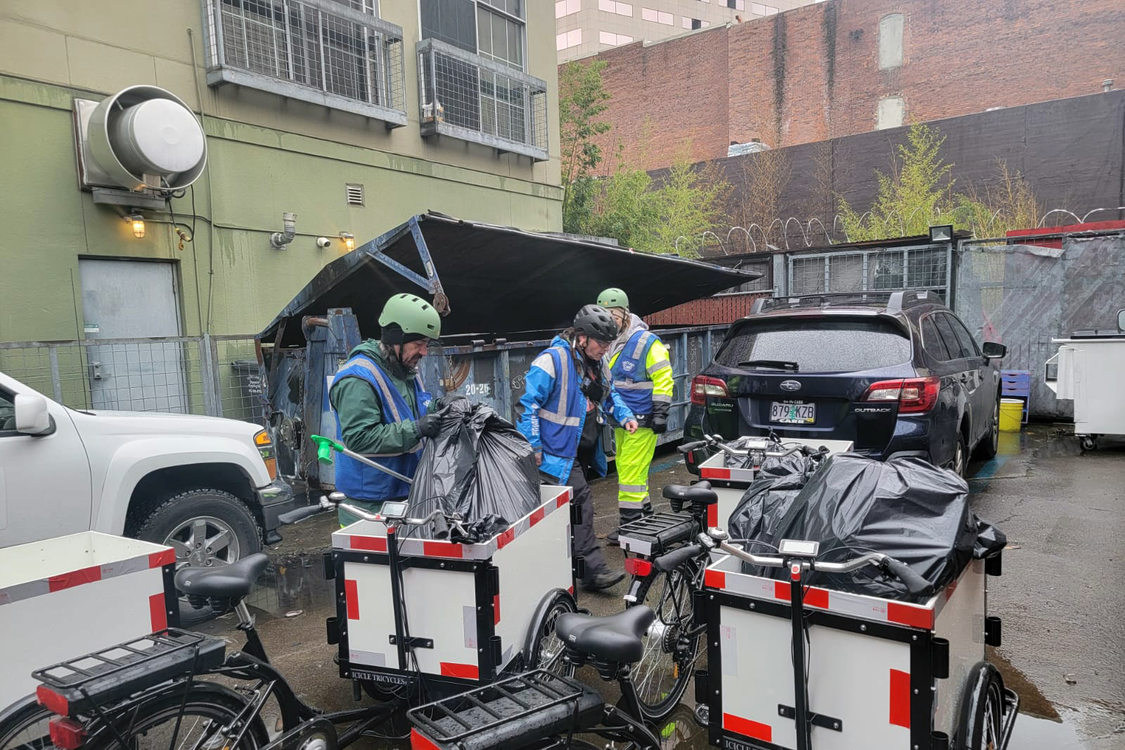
[[266, 155]]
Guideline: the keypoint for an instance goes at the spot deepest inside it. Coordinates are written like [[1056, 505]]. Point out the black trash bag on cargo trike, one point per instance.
[[905, 507], [767, 499], [479, 466]]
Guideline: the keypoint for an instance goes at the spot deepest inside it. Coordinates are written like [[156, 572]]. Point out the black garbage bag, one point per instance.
[[906, 508], [767, 500], [479, 466]]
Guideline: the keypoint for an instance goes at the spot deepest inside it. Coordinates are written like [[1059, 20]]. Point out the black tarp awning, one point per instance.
[[499, 280]]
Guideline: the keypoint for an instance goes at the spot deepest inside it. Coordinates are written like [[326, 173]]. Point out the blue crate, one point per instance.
[[1017, 384]]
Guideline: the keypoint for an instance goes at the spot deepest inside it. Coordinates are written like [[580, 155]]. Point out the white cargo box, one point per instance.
[[473, 603], [729, 478], [881, 673], [64, 597]]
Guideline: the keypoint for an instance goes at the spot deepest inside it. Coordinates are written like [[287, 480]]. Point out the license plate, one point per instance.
[[792, 412]]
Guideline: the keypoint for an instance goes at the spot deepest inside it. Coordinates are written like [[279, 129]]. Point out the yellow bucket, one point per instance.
[[1011, 414]]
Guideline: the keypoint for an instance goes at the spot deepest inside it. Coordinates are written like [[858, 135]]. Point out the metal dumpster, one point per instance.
[[506, 291]]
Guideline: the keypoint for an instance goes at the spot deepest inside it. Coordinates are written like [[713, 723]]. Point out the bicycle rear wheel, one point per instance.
[[26, 727], [204, 719], [544, 649], [670, 651]]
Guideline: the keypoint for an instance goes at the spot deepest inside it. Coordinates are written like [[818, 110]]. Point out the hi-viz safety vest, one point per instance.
[[562, 416], [355, 478], [630, 376]]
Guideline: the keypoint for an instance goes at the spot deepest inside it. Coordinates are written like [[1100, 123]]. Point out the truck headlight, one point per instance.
[[265, 447]]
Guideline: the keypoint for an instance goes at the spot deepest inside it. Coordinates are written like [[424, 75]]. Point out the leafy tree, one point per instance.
[[915, 196], [919, 194], [582, 99], [689, 203]]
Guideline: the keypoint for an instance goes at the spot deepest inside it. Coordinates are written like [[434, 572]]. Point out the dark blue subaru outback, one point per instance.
[[896, 373]]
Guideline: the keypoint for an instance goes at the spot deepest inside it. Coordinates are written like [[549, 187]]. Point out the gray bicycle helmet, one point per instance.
[[596, 322]]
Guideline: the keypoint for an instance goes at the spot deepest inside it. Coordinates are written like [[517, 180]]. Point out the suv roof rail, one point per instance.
[[819, 300], [893, 301], [910, 298]]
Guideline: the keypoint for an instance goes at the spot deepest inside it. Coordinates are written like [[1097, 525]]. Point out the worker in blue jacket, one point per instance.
[[567, 392]]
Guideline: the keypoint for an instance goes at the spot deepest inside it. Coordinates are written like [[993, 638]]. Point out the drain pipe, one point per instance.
[[280, 239]]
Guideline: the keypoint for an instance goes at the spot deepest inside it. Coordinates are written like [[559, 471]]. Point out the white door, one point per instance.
[[133, 299]]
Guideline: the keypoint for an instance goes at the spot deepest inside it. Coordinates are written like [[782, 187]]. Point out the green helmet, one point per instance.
[[406, 317], [613, 297]]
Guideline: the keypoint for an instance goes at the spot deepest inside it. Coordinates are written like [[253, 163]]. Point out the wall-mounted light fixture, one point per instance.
[[349, 240], [138, 224], [942, 233]]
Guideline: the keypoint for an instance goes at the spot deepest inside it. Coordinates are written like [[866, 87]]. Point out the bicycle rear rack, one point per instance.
[[76, 686], [654, 535], [510, 713]]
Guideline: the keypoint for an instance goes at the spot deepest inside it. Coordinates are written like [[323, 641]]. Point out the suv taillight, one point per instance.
[[914, 396], [703, 386]]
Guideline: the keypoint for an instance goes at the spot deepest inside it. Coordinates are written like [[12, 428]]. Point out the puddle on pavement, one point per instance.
[[293, 583]]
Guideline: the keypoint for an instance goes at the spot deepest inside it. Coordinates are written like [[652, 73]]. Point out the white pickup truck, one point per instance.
[[206, 486]]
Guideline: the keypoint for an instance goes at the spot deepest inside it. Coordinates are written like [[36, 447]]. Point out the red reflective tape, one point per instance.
[[745, 727], [495, 609], [160, 559], [816, 597], [505, 537], [570, 589], [464, 671], [900, 698], [712, 515], [562, 499], [441, 549], [419, 741], [537, 515], [714, 579], [51, 700], [781, 590], [915, 617], [74, 578], [351, 599], [157, 613], [715, 473], [368, 543]]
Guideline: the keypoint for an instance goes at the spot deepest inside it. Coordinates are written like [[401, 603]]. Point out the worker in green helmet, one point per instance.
[[642, 373], [381, 406]]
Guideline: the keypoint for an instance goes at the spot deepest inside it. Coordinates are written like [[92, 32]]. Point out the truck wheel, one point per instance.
[[205, 527]]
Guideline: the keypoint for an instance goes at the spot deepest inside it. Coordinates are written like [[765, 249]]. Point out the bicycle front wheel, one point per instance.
[[670, 648], [209, 717], [26, 727]]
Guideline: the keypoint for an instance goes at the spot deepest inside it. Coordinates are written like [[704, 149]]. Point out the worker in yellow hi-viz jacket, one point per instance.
[[642, 375]]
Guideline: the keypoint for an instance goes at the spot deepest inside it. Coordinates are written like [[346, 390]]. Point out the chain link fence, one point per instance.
[[1024, 294], [213, 375]]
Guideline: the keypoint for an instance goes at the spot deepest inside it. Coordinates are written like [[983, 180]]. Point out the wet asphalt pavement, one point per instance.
[[1060, 596]]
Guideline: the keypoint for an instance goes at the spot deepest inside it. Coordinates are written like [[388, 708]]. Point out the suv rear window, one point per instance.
[[818, 344]]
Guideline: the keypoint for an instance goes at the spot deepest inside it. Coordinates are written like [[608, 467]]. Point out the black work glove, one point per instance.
[[660, 418], [429, 425]]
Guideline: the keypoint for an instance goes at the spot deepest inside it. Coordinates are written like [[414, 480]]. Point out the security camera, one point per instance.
[[323, 242]]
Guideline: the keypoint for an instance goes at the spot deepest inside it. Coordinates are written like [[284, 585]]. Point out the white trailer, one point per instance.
[[1087, 369]]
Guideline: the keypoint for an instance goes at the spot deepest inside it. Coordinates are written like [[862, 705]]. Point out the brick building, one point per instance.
[[844, 67], [586, 27]]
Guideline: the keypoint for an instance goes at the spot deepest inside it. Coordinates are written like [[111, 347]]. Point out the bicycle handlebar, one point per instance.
[[444, 522], [914, 583], [716, 441]]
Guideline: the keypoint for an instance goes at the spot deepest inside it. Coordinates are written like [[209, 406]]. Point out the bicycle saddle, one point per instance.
[[616, 638], [699, 493], [229, 581]]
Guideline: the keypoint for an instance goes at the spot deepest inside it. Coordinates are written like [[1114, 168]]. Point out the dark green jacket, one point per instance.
[[361, 418]]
